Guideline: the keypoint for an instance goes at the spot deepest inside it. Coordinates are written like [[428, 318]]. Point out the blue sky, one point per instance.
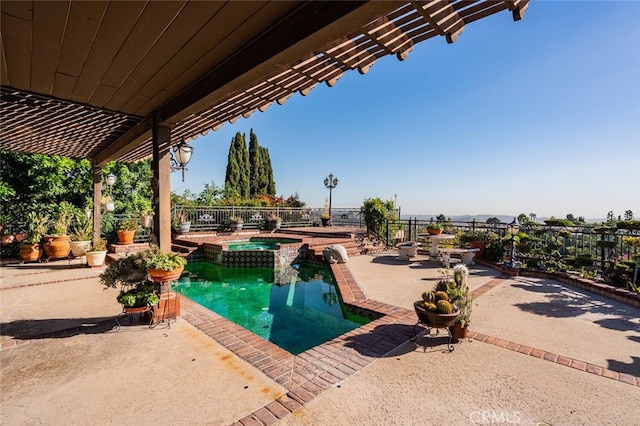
[[537, 116]]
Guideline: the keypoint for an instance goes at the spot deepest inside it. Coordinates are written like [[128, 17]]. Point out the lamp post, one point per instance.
[[330, 182], [180, 157], [513, 228]]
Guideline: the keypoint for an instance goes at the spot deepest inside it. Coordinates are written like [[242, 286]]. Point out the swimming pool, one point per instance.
[[301, 312]]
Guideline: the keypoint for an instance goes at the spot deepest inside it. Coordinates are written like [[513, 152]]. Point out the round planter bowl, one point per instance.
[[160, 276], [434, 231], [433, 319]]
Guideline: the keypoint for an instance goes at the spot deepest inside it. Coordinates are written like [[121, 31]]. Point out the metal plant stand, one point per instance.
[[450, 346], [432, 320]]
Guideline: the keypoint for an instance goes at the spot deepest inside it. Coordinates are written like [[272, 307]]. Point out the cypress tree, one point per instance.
[[254, 165], [249, 172], [237, 176], [269, 183]]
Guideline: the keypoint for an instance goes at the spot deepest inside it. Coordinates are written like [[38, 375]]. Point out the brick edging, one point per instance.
[[12, 287], [558, 359]]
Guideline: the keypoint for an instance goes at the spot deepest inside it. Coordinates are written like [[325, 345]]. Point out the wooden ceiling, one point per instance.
[[88, 79]]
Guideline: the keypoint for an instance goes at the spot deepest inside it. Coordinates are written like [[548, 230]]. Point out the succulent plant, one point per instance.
[[431, 307], [429, 296], [441, 295], [444, 307]]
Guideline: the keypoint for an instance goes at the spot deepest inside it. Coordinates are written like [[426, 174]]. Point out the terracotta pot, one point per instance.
[[96, 258], [126, 237], [434, 231], [57, 247], [160, 276], [7, 239], [481, 246], [31, 252], [458, 331]]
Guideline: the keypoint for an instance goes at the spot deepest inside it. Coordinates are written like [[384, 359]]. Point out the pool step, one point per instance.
[[184, 247]]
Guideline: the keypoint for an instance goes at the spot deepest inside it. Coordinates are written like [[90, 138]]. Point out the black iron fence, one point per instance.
[[587, 245]]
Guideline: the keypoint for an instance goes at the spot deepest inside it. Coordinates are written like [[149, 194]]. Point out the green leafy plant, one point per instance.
[[435, 225], [99, 245], [141, 295], [128, 225], [37, 226], [165, 261], [126, 270], [180, 216], [484, 236], [61, 224], [81, 227]]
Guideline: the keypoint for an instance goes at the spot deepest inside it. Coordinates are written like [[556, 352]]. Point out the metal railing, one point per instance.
[[586, 241], [216, 218]]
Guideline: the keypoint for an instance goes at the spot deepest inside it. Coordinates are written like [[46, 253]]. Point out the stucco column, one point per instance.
[[161, 183]]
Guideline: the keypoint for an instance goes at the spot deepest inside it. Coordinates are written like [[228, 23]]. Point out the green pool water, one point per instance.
[[296, 316], [251, 245]]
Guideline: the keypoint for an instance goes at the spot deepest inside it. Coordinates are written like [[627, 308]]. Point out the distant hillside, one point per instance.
[[466, 218], [481, 218]]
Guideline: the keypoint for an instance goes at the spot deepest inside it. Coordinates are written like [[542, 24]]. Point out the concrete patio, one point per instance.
[[541, 352]]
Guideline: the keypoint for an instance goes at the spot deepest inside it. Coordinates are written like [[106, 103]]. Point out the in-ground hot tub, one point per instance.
[[256, 252]]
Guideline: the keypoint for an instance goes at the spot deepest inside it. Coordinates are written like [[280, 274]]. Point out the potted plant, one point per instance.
[[142, 296], [31, 249], [236, 223], [107, 202], [146, 217], [130, 274], [97, 253], [57, 244], [183, 221], [434, 228], [7, 236], [480, 240], [81, 234], [274, 221], [126, 231], [325, 219], [458, 292], [164, 267]]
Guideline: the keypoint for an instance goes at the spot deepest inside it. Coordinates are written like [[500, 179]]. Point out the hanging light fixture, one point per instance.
[[180, 157], [111, 179]]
